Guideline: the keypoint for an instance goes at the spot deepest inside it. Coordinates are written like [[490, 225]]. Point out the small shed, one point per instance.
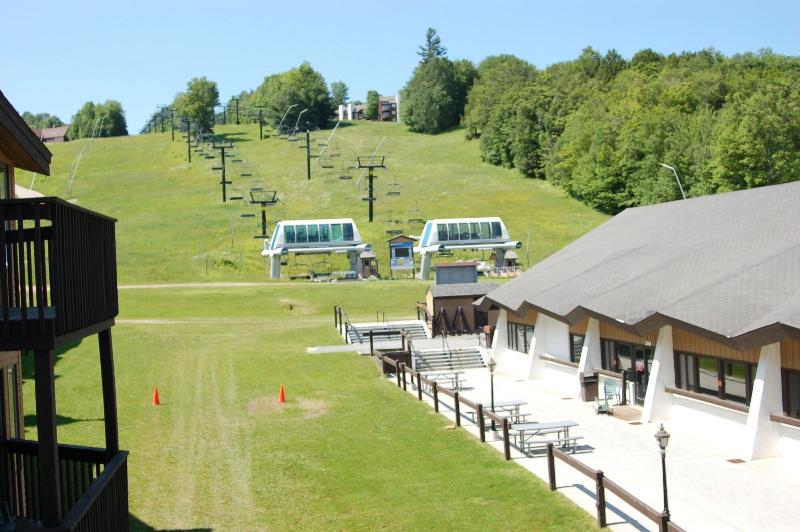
[[457, 272], [450, 307], [401, 254], [369, 265]]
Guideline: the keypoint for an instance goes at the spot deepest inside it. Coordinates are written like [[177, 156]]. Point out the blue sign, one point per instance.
[[401, 255]]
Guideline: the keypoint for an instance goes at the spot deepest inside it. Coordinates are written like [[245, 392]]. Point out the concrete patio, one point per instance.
[[706, 490]]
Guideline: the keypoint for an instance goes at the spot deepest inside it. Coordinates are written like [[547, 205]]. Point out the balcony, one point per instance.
[[93, 489], [58, 281]]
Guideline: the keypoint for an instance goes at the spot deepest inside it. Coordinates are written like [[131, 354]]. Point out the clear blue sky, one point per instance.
[[56, 55]]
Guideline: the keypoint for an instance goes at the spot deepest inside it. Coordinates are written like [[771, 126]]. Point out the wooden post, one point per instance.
[[419, 387], [335, 317], [436, 396], [397, 372], [506, 441], [402, 340], [109, 393], [624, 391], [49, 476], [371, 348], [481, 423], [601, 499], [551, 467], [341, 324], [458, 408], [403, 371]]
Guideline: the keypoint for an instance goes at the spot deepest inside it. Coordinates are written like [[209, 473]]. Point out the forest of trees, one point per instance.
[[99, 120], [41, 120], [603, 127]]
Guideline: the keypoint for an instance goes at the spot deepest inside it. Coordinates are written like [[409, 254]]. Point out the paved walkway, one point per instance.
[[706, 491]]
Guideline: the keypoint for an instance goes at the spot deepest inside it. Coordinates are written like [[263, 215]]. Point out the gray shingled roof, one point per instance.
[[728, 264], [462, 289]]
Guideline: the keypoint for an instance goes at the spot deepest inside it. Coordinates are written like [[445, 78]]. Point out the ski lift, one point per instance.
[[326, 162], [394, 187]]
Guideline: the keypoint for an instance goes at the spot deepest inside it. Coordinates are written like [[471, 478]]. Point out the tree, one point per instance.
[[371, 109], [99, 120], [339, 92], [41, 120], [198, 102], [301, 87], [432, 47], [433, 98]]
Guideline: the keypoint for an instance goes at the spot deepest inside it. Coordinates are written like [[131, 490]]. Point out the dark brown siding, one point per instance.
[[691, 343]]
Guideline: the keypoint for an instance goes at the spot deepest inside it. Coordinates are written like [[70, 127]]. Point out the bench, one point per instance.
[[529, 445]]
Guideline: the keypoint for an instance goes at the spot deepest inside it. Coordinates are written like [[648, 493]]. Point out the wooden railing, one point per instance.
[[90, 486], [59, 275], [504, 424]]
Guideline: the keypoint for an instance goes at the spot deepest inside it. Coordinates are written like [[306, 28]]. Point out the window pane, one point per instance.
[[474, 230], [336, 232], [735, 374], [442, 229], [510, 335], [624, 357], [453, 231], [324, 232], [300, 233], [496, 232], [486, 231], [521, 339], [691, 382], [288, 232], [577, 347], [463, 231], [313, 233], [708, 375], [347, 229]]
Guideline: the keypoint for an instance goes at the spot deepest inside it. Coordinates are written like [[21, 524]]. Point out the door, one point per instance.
[[641, 372]]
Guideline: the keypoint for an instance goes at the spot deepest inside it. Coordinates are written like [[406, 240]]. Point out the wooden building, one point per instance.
[[59, 286], [51, 134], [691, 308], [450, 308]]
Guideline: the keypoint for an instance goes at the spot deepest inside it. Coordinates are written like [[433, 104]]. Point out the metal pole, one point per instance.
[[491, 385], [260, 126], [224, 181], [172, 124], [237, 111], [664, 480], [308, 155], [189, 140], [370, 199], [263, 220]]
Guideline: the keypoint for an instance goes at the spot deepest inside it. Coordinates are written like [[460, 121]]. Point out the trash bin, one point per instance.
[[588, 387]]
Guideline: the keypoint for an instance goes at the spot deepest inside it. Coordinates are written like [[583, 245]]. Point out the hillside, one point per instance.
[[173, 226]]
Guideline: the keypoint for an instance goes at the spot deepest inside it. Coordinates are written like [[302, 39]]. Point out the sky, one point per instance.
[[56, 55]]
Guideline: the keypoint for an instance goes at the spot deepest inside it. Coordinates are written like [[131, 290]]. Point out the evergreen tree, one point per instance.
[[432, 47]]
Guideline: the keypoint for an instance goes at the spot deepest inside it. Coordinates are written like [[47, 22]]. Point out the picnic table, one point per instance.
[[509, 408], [529, 435], [452, 378]]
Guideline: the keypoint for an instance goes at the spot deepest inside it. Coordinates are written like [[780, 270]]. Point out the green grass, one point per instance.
[[174, 227], [348, 450]]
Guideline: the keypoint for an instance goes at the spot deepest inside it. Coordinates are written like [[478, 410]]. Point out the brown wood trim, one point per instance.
[[730, 405], [642, 507], [116, 466], [554, 360], [606, 373], [785, 420]]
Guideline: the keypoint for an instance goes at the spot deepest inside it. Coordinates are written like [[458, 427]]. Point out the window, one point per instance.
[[608, 355], [324, 232], [486, 231], [463, 233], [496, 231], [300, 233], [313, 233], [474, 230], [442, 229], [575, 347], [791, 392], [336, 232], [347, 230], [729, 380], [453, 231], [288, 234], [519, 336]]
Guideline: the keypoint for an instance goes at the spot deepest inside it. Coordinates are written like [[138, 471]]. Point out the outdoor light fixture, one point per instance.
[[662, 437], [676, 178]]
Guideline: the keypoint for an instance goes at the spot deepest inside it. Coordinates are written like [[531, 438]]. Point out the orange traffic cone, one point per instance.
[[156, 400], [282, 395]]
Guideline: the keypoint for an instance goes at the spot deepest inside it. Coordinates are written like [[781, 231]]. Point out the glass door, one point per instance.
[[641, 371]]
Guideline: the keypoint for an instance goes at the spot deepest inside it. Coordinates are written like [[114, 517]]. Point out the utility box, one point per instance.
[[588, 387]]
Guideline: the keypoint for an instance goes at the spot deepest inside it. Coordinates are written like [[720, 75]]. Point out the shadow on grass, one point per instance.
[[27, 359], [136, 524], [30, 420], [235, 136]]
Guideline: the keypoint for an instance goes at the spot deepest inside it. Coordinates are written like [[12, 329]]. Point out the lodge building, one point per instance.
[[689, 309]]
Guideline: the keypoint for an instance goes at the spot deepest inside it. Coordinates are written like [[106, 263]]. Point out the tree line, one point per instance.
[[602, 127]]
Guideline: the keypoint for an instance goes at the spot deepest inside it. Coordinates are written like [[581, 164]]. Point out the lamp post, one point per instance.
[[492, 365], [662, 437], [679, 183]]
